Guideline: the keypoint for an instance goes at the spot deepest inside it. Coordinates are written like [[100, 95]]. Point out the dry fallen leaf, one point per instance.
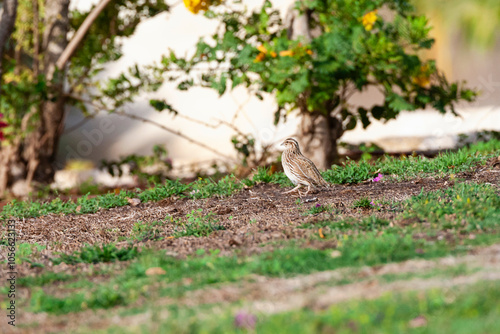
[[320, 232], [133, 201], [153, 271]]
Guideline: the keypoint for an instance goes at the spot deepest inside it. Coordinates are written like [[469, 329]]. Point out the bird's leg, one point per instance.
[[309, 188], [296, 188], [306, 192]]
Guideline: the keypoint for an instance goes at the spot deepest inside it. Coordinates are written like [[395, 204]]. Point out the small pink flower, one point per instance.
[[245, 320], [318, 205], [372, 203], [378, 177]]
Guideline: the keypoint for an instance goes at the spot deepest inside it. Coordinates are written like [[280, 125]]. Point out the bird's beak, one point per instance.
[[282, 144]]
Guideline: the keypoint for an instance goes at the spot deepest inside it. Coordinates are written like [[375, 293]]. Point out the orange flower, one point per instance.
[[286, 53], [422, 79], [273, 54], [195, 6], [262, 49], [309, 52], [260, 57], [369, 19]]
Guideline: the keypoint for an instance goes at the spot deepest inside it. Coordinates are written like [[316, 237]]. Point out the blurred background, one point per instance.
[[210, 134], [467, 48]]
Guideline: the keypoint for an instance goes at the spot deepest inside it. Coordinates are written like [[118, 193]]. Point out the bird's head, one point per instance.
[[290, 143]]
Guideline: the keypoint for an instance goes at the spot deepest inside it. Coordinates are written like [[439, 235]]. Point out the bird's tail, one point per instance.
[[325, 184]]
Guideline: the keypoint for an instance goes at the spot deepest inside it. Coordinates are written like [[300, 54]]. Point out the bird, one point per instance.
[[299, 169]]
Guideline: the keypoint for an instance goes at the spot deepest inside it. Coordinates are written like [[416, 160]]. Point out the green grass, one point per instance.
[[197, 225], [446, 272], [405, 168], [203, 318], [461, 209], [466, 207], [363, 202], [471, 309], [318, 208], [43, 279], [96, 254], [370, 223], [199, 189], [144, 231], [25, 252], [351, 172]]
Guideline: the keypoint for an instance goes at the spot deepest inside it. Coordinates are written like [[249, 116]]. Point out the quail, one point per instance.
[[299, 169]]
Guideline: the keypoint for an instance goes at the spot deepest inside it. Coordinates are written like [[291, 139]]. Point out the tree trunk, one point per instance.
[[8, 14], [32, 158], [318, 135], [41, 145]]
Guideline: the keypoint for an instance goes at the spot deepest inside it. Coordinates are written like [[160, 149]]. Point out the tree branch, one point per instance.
[[163, 127], [175, 132], [80, 34], [212, 126]]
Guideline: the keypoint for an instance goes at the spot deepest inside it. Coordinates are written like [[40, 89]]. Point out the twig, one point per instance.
[[212, 126], [161, 126], [80, 33], [176, 132]]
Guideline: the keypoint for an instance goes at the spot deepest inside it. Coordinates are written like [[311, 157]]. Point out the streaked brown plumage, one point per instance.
[[299, 169]]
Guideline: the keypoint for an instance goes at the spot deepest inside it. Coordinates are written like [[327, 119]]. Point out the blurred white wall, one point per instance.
[[178, 30], [111, 136]]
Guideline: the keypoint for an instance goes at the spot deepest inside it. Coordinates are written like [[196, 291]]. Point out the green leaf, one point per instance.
[[222, 84], [185, 84], [351, 124], [363, 115], [161, 105], [398, 103], [378, 112]]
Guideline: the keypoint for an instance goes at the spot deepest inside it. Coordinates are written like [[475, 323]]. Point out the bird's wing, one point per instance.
[[311, 171], [299, 168]]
